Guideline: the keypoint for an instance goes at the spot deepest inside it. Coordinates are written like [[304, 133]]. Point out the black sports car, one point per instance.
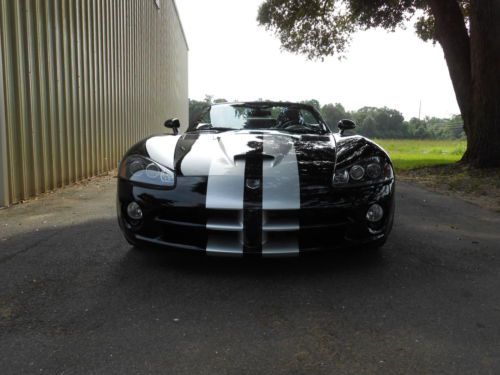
[[256, 178]]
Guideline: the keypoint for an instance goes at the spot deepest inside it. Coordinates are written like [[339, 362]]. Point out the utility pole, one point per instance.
[[419, 109]]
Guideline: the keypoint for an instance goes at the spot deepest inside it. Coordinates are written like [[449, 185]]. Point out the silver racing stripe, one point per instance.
[[225, 189], [280, 194], [281, 191], [225, 184], [280, 178]]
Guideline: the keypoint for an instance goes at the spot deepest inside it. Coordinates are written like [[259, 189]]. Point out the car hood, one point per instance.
[[210, 154]]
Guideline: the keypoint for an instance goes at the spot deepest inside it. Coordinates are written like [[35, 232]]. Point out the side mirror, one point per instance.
[[344, 125], [173, 124]]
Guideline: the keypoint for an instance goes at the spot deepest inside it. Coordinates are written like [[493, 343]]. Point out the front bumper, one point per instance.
[[178, 219]]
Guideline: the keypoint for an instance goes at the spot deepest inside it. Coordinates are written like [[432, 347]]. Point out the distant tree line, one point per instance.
[[385, 122], [371, 122]]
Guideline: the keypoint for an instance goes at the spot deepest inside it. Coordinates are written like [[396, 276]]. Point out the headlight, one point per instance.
[[137, 168], [341, 177], [373, 170], [365, 172], [357, 172]]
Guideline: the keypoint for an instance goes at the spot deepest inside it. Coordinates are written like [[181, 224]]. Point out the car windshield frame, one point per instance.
[[264, 116]]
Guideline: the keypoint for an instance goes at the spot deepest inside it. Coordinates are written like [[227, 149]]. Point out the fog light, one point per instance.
[[134, 211], [375, 213]]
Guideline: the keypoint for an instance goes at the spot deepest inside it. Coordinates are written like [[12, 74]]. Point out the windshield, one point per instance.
[[290, 118]]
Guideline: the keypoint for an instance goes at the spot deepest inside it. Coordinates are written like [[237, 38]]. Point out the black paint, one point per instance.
[[252, 205]]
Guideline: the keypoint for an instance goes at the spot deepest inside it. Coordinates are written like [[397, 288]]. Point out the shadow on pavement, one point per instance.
[[73, 295], [334, 261]]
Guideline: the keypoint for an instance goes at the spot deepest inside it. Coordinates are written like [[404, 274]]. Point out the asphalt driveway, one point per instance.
[[75, 298]]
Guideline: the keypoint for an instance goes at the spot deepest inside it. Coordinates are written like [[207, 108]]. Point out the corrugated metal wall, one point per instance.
[[81, 81]]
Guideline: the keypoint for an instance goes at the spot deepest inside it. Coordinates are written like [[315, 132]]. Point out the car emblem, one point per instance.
[[253, 183]]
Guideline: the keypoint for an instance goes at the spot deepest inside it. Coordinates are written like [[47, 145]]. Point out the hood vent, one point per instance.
[[241, 157]]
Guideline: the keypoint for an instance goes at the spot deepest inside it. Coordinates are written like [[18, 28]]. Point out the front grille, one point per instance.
[[183, 215], [224, 231], [179, 226], [224, 220], [322, 228], [280, 220], [283, 231]]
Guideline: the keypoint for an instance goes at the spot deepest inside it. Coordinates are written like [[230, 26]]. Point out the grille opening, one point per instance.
[[280, 220], [225, 220]]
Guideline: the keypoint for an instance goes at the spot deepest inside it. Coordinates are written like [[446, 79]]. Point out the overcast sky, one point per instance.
[[232, 57]]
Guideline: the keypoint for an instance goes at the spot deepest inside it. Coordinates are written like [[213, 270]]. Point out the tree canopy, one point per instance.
[[467, 30], [319, 28]]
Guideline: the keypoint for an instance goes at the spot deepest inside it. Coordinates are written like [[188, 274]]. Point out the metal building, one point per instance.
[[80, 82]]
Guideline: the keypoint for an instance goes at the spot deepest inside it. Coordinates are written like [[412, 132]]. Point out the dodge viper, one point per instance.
[[256, 178]]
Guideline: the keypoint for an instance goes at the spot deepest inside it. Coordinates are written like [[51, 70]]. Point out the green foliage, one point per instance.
[[380, 122], [196, 109], [425, 28], [409, 154], [333, 113], [312, 102], [389, 123], [319, 28], [305, 26]]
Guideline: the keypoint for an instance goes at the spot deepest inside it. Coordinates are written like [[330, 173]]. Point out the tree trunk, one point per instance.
[[452, 34], [473, 65], [483, 139]]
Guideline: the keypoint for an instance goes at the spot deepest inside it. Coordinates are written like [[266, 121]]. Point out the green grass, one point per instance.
[[409, 154]]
